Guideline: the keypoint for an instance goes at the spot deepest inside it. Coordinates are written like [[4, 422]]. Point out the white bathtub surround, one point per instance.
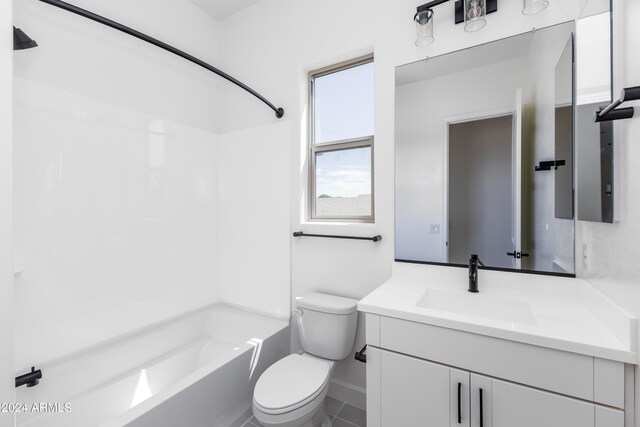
[[559, 313], [116, 185], [125, 190], [254, 217], [196, 370]]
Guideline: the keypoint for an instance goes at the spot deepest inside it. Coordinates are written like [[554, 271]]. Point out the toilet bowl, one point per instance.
[[291, 392]]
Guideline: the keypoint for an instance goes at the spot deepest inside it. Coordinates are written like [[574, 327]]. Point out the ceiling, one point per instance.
[[221, 9]]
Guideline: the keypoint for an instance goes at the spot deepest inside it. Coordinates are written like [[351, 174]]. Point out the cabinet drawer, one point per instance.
[[553, 370]]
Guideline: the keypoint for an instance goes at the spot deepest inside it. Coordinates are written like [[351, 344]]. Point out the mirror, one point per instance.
[[484, 155], [594, 141]]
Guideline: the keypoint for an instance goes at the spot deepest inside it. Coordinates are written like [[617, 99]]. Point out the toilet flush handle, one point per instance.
[[298, 314]]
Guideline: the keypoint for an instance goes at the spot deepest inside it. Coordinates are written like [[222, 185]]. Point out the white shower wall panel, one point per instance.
[[255, 205], [115, 175]]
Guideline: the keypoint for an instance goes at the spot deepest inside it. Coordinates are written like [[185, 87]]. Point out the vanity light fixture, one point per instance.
[[472, 12], [530, 7], [21, 40]]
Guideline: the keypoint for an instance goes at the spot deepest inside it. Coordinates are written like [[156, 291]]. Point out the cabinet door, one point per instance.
[[413, 392], [513, 405], [481, 401]]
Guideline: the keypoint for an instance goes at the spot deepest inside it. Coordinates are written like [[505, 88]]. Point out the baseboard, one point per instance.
[[348, 393]]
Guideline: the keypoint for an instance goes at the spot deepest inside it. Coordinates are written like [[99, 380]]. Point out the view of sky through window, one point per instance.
[[343, 173], [343, 105], [343, 125]]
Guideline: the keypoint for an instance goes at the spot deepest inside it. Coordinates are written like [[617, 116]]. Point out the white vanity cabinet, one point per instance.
[[424, 375]]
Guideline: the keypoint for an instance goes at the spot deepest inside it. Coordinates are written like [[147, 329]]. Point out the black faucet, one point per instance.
[[30, 379], [473, 273]]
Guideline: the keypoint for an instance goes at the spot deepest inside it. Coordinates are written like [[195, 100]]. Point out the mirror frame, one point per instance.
[[574, 200]]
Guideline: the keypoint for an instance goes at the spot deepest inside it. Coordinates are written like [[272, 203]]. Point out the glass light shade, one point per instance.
[[474, 14], [424, 27], [529, 7]]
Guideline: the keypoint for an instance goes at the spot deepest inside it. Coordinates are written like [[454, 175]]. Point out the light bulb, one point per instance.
[[474, 15]]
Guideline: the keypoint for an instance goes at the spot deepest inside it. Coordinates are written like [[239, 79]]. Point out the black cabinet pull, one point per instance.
[[481, 413], [459, 403]]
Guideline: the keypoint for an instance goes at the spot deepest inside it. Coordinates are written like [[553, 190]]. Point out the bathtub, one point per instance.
[[195, 370]]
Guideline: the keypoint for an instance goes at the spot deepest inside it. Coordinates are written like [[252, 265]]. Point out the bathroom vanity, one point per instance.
[[526, 351]]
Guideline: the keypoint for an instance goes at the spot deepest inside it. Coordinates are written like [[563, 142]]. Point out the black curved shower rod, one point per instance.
[[137, 34]]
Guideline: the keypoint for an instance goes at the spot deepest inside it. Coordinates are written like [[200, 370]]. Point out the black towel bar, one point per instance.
[[612, 112], [331, 236], [546, 166]]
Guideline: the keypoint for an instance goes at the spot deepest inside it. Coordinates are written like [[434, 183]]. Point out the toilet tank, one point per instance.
[[327, 324]]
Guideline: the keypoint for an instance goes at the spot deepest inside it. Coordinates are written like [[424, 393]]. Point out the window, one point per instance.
[[341, 142]]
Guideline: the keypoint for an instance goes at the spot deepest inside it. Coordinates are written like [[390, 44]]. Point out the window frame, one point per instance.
[[337, 145]]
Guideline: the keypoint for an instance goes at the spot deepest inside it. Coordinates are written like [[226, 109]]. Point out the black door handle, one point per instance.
[[481, 411], [517, 255], [459, 403]]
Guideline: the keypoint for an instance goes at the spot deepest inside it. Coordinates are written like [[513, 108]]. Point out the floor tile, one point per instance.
[[353, 415], [339, 422], [332, 406], [252, 422]]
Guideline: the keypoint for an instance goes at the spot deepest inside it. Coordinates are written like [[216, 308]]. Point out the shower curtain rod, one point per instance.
[[137, 34]]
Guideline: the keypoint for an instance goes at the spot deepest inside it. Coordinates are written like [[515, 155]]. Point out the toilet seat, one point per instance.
[[292, 383]]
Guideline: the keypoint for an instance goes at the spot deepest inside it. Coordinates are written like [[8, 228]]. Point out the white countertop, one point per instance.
[[560, 313]]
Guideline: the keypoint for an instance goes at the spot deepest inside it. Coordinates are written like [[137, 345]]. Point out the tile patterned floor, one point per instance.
[[341, 414]]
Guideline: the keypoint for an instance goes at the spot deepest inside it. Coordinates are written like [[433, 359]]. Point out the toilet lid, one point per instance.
[[291, 383]]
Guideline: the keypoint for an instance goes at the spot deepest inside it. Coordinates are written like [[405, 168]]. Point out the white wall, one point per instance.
[[274, 44], [612, 248], [115, 178], [6, 258]]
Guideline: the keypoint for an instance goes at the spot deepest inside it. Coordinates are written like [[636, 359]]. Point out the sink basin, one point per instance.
[[478, 305]]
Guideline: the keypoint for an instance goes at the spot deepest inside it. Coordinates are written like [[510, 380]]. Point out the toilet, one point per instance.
[[291, 392]]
